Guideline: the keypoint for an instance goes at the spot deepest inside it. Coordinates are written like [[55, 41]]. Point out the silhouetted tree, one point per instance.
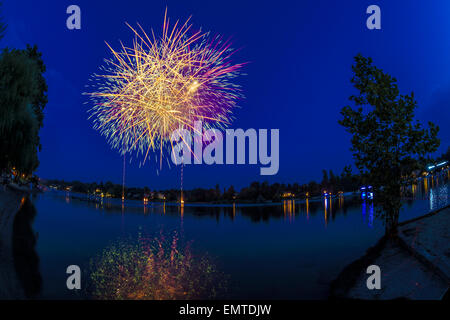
[[229, 194], [218, 194], [334, 182], [19, 126], [23, 96], [387, 144], [325, 180]]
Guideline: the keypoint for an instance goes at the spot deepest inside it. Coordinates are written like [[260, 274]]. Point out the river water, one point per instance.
[[290, 250]]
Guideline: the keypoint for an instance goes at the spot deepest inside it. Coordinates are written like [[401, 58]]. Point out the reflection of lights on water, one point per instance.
[[331, 206], [371, 215], [364, 210], [414, 190], [438, 194], [293, 209], [431, 199], [289, 209], [341, 201], [439, 197], [307, 208], [162, 268]]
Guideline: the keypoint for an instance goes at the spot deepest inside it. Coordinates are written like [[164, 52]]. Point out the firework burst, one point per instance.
[[161, 84]]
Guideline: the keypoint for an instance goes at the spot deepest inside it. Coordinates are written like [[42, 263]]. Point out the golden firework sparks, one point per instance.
[[158, 85]]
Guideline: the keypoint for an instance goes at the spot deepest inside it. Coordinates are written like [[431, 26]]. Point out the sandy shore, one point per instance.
[[414, 265]]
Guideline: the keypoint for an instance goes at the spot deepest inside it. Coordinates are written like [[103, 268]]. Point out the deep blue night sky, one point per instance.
[[300, 55]]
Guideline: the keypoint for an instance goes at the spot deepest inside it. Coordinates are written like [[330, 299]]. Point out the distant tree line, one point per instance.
[[445, 156], [255, 192]]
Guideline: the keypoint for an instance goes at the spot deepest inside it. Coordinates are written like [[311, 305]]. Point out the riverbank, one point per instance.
[[415, 264], [221, 204]]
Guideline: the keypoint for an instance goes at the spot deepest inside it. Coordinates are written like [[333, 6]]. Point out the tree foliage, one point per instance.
[[388, 144], [22, 100]]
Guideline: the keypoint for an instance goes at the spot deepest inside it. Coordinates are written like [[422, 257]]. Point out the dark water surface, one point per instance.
[[285, 251]]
